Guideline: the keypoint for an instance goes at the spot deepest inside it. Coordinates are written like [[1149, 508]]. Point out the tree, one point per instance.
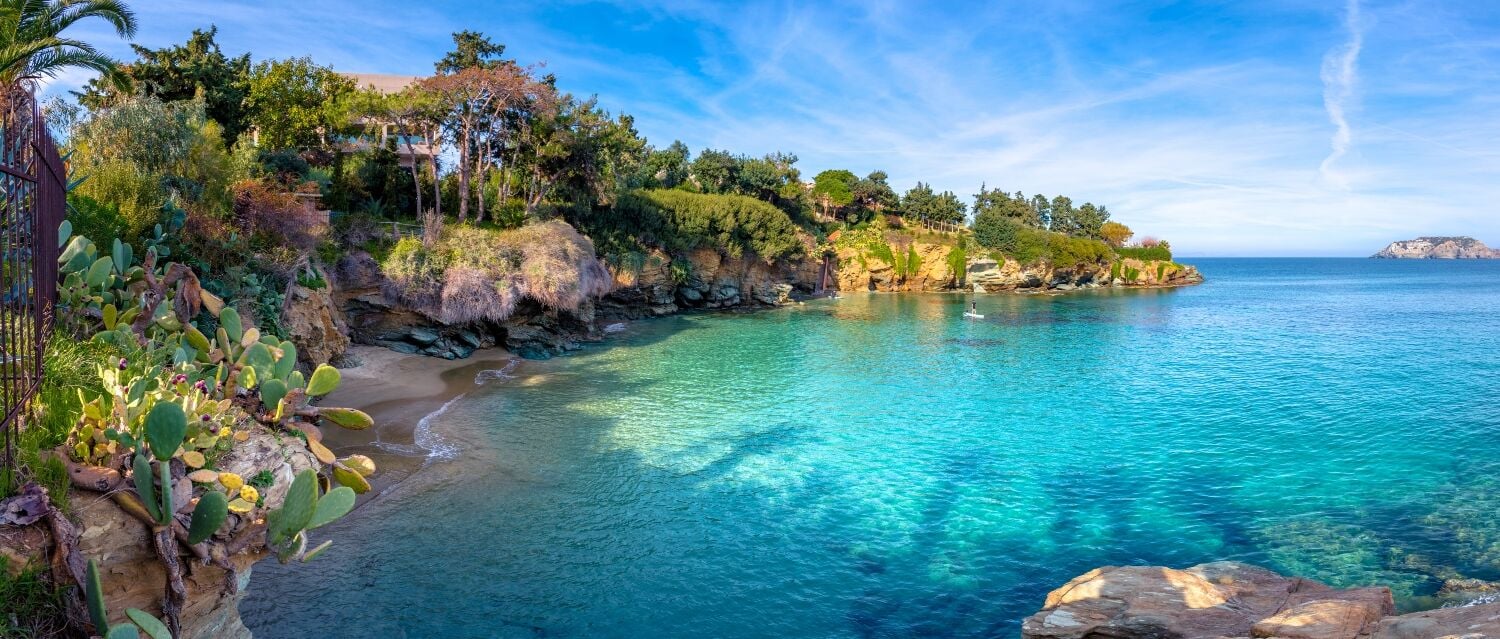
[[296, 103], [183, 72], [714, 171], [1016, 208], [1063, 220], [1090, 221], [1115, 233], [665, 168], [32, 44], [414, 112], [922, 202], [874, 194], [1043, 208], [472, 50], [834, 189]]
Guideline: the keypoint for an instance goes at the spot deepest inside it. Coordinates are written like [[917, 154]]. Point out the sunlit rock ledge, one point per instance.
[[1230, 599]]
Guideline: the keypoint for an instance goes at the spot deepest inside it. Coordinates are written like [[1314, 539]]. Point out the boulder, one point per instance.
[[1464, 622], [422, 336], [314, 323], [1221, 599]]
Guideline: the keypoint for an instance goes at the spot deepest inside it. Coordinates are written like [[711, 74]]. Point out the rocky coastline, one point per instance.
[[356, 308], [1231, 599]]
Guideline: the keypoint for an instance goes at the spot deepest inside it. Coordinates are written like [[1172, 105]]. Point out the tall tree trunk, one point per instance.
[[416, 169], [463, 175], [482, 174], [437, 184]]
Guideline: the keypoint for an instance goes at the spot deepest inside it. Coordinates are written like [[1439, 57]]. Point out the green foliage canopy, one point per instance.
[[296, 103]]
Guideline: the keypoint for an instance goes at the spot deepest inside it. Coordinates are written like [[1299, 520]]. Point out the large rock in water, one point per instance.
[[1440, 248], [1220, 599]]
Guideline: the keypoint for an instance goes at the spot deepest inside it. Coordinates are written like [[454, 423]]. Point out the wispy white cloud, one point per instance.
[[1340, 72], [1203, 122]]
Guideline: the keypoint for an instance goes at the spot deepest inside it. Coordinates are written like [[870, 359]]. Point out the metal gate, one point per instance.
[[33, 197]]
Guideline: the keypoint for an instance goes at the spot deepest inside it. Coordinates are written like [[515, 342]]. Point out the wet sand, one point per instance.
[[398, 391]]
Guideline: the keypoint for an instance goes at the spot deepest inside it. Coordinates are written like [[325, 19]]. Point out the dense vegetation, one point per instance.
[[679, 221]]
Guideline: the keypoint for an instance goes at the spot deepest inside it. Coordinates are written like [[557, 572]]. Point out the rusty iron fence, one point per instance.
[[33, 198]]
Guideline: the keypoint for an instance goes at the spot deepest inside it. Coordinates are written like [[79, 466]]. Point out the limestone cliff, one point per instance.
[[704, 279], [1439, 248], [862, 270], [656, 284]]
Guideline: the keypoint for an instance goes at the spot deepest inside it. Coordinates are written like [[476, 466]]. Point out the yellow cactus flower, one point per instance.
[[231, 481], [248, 493]]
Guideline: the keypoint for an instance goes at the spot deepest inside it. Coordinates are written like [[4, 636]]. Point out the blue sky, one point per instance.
[[1230, 128]]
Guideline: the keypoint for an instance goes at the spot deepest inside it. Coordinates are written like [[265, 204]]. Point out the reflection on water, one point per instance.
[[877, 466]]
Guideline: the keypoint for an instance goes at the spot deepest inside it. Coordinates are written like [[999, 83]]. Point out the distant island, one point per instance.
[[1438, 248]]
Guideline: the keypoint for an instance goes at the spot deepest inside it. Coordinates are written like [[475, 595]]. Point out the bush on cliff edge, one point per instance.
[[680, 221], [473, 274]]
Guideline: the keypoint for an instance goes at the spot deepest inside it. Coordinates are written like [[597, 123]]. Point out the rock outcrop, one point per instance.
[[704, 279], [1438, 248], [660, 284], [1230, 599], [314, 323], [131, 572]]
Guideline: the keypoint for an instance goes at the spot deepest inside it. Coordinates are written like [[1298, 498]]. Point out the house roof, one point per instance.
[[382, 82]]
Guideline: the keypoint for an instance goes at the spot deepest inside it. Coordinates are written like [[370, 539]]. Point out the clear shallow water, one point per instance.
[[879, 467]]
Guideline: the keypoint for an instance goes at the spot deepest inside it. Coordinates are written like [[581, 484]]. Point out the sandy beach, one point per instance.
[[398, 390]]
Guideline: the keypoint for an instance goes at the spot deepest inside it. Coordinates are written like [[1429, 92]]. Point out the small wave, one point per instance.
[[615, 327], [438, 449], [496, 374]]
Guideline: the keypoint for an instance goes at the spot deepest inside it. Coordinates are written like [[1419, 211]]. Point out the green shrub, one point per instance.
[[958, 261], [137, 195], [679, 221], [882, 251], [1159, 252], [1028, 245], [91, 218], [415, 272]]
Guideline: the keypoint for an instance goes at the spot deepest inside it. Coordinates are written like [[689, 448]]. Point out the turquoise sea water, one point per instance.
[[878, 466]]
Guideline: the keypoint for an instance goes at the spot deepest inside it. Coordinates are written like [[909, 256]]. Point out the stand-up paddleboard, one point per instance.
[[973, 312]]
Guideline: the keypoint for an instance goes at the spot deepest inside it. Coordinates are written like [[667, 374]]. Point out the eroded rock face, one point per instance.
[[858, 271], [314, 323], [1220, 599], [708, 280], [1440, 248]]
